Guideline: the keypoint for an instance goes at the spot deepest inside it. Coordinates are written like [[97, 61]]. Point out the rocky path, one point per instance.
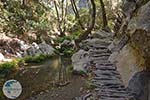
[[107, 79]]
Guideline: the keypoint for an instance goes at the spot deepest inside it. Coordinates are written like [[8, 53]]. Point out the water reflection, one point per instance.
[[52, 73]]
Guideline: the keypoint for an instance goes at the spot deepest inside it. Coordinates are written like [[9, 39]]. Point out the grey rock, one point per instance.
[[67, 43], [80, 60], [117, 45], [139, 85], [36, 49], [46, 49]]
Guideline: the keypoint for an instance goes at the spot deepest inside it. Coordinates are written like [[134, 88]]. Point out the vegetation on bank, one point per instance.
[[7, 67]]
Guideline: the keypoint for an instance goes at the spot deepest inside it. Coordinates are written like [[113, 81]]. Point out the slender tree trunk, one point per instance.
[[58, 19], [105, 22], [88, 31], [75, 10]]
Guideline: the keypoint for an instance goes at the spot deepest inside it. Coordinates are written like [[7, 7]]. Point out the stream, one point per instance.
[[53, 75]]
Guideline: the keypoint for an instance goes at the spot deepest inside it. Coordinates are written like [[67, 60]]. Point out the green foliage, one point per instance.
[[18, 18], [7, 67], [68, 51], [36, 59]]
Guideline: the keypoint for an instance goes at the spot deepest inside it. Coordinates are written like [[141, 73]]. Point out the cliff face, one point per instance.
[[134, 56], [138, 27]]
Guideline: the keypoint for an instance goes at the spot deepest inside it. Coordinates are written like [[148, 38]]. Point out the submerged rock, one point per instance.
[[80, 60]]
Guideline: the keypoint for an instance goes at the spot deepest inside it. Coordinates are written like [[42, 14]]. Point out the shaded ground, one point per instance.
[[69, 92]]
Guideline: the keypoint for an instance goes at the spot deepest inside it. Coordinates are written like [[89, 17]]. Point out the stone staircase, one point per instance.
[[107, 79]]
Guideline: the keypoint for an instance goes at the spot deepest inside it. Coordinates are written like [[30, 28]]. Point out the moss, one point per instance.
[[36, 59]]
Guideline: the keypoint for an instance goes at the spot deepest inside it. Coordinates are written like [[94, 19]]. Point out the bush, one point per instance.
[[7, 67]]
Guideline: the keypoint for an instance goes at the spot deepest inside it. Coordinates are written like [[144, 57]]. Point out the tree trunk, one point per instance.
[[59, 21], [105, 23], [88, 31], [75, 10]]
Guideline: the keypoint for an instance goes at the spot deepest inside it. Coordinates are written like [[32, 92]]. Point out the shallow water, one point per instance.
[[35, 78]]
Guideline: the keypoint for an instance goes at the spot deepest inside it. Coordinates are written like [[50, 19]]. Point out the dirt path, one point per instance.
[[69, 92]]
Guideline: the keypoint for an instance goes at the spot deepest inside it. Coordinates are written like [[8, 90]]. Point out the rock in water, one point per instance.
[[80, 60]]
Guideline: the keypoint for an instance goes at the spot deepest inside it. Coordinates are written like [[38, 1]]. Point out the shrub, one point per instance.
[[7, 67]]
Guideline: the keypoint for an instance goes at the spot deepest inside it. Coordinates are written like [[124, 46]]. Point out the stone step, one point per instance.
[[108, 76], [100, 54], [100, 51], [105, 82], [113, 95], [102, 67], [105, 78], [97, 47], [99, 58], [103, 62], [112, 98], [118, 87], [112, 92], [106, 72]]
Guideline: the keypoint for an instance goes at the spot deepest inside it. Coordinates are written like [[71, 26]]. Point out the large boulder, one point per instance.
[[139, 32], [46, 49], [126, 61], [139, 85], [80, 60]]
